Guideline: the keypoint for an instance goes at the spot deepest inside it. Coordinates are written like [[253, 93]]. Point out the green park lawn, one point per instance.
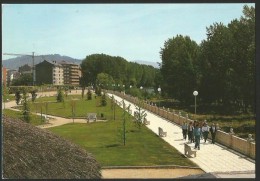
[[82, 107], [104, 141], [35, 120]]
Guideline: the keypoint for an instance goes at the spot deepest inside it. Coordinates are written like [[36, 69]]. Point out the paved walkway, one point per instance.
[[212, 158]]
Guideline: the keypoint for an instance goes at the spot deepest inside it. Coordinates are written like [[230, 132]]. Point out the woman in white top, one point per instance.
[[205, 131]]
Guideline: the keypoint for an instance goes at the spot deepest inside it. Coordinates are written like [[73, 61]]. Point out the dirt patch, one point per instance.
[[149, 173]]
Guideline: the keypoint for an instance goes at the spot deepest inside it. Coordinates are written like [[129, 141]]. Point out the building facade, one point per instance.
[[4, 76], [72, 73], [48, 72], [25, 69]]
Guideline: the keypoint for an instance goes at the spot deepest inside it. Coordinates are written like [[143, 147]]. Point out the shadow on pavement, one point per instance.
[[205, 175]]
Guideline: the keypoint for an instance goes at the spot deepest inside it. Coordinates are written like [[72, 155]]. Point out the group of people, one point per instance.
[[199, 130]]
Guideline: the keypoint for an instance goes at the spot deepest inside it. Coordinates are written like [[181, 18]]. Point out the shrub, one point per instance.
[[17, 96], [103, 100], [89, 95], [60, 96]]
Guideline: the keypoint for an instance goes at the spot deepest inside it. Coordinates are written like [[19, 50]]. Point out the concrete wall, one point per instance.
[[231, 141]]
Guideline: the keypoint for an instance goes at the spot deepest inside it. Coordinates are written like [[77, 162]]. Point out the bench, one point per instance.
[[92, 116], [146, 122], [161, 132], [46, 118], [187, 149]]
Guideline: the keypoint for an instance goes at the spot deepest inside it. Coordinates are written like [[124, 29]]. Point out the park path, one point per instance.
[[54, 120], [212, 158]]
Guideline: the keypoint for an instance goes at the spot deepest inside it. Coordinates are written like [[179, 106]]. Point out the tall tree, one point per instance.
[[177, 68]]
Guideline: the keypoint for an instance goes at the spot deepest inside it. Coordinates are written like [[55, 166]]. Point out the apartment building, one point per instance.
[[4, 76], [71, 72], [49, 72]]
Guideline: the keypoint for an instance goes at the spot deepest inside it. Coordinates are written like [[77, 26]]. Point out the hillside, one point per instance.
[[15, 63], [33, 153]]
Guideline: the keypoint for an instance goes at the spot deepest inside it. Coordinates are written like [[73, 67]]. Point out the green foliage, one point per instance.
[[89, 94], [227, 66], [34, 95], [106, 70], [23, 80], [35, 120], [60, 96], [139, 115], [104, 80], [18, 96], [26, 108], [177, 69], [221, 68], [66, 89], [98, 91], [103, 100]]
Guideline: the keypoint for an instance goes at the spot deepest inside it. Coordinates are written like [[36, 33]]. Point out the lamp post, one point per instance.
[[159, 90], [195, 93], [141, 88]]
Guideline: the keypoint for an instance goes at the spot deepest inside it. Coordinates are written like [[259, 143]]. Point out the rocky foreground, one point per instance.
[[33, 153]]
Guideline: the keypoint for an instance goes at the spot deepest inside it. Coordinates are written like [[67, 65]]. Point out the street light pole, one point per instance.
[[159, 90], [195, 93]]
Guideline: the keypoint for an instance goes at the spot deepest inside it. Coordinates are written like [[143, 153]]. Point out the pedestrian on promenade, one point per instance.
[[213, 130], [190, 132], [205, 131], [200, 125], [197, 133], [184, 130]]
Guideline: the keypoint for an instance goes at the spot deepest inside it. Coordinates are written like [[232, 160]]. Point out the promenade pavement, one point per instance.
[[216, 159]]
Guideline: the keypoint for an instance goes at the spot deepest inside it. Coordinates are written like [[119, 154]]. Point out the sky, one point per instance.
[[132, 31]]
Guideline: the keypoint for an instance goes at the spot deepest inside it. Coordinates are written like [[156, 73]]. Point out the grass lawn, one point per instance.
[[82, 107], [35, 120], [102, 139]]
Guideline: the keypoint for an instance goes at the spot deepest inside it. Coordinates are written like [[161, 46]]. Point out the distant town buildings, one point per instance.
[[49, 73], [46, 72], [71, 73], [25, 69], [11, 75], [63, 73]]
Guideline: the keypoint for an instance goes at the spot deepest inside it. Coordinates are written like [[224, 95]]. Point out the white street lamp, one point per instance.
[[195, 93], [159, 90]]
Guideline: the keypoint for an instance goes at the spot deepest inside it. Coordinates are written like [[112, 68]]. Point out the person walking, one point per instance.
[[200, 125], [197, 133], [205, 131], [184, 130], [190, 132], [213, 130]]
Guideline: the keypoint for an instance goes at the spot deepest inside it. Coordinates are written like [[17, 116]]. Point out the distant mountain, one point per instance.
[[15, 63], [154, 64]]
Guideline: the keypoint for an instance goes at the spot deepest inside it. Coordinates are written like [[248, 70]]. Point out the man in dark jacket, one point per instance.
[[213, 131]]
